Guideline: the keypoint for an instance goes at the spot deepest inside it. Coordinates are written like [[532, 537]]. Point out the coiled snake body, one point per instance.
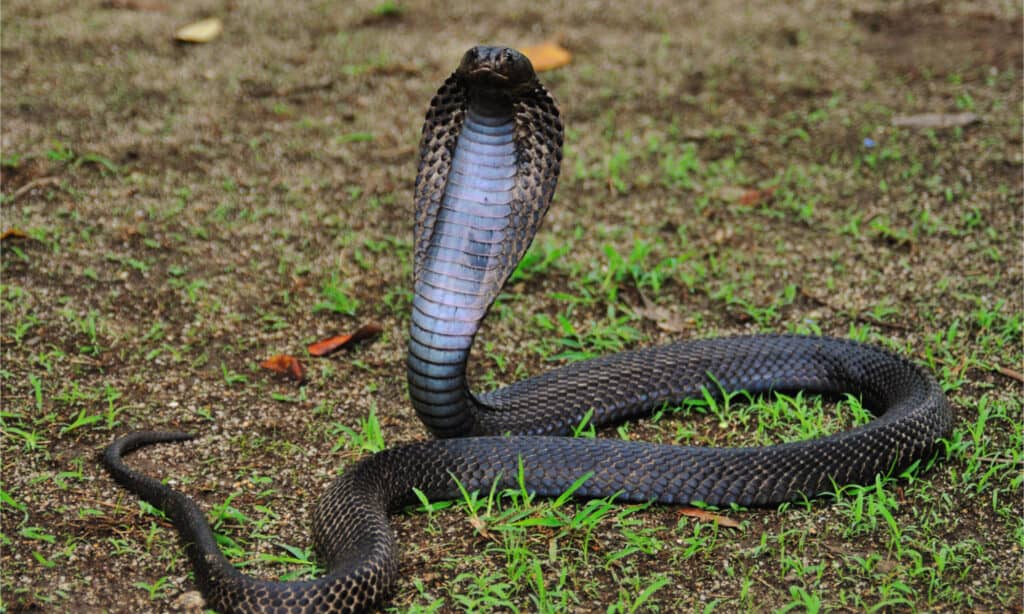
[[490, 156]]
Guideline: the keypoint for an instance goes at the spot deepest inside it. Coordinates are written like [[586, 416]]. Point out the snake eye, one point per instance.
[[469, 59]]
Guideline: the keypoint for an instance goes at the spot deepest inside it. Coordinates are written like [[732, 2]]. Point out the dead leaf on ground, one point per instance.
[[285, 364], [481, 527], [335, 343], [663, 317], [744, 196], [547, 56], [936, 120], [13, 233], [755, 197], [706, 516], [202, 31]]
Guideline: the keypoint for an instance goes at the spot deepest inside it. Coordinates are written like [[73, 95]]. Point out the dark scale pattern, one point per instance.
[[437, 145], [455, 287], [469, 110]]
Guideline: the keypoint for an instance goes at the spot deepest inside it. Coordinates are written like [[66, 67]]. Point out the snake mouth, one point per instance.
[[488, 77], [487, 72]]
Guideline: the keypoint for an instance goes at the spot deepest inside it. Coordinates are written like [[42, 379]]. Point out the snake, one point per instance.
[[490, 155]]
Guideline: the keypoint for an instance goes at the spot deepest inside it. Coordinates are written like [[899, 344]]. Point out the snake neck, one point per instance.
[[465, 265]]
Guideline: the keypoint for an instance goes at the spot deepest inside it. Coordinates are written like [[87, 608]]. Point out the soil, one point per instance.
[[176, 209]]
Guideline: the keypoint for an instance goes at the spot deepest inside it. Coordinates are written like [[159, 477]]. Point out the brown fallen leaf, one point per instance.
[[706, 516], [754, 197], [743, 196], [285, 364], [663, 317], [13, 233], [332, 344], [547, 56], [481, 527], [326, 346], [202, 31], [936, 120]]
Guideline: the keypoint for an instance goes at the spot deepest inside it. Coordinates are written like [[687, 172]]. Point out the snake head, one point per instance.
[[496, 68]]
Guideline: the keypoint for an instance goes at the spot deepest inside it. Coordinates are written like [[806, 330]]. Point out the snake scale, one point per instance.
[[489, 161]]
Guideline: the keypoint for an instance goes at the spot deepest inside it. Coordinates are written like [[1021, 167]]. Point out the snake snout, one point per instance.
[[496, 67]]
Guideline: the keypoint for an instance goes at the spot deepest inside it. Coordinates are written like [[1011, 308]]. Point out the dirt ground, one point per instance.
[[175, 211]]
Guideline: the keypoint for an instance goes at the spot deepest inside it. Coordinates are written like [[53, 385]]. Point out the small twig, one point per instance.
[[1010, 373], [35, 183], [1005, 371], [996, 459]]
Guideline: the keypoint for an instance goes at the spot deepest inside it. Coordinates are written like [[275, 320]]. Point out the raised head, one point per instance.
[[498, 68]]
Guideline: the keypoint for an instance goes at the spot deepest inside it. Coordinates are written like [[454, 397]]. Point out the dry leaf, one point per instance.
[[936, 120], [753, 197], [480, 526], [743, 196], [201, 31], [332, 344], [285, 364], [665, 319], [13, 233], [326, 346], [706, 516], [547, 56]]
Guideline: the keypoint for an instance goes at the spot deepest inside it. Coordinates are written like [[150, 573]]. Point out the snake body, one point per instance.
[[490, 156]]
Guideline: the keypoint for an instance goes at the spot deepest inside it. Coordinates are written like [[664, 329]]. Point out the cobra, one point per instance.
[[489, 161]]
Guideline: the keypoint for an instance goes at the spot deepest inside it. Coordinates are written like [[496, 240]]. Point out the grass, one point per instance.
[[337, 297], [892, 535], [169, 247], [367, 437]]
